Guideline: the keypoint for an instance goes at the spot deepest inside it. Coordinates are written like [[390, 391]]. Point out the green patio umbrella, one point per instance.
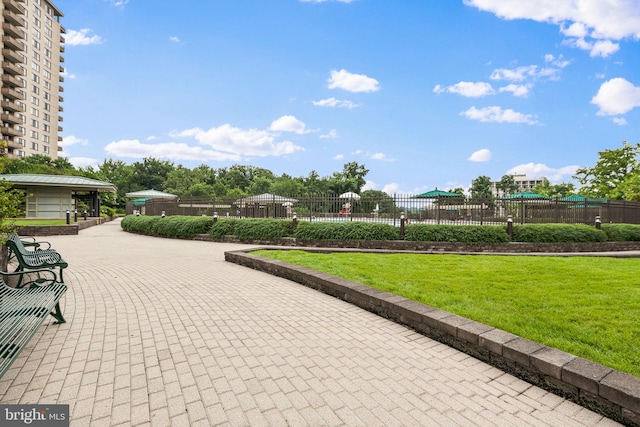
[[525, 195], [434, 194]]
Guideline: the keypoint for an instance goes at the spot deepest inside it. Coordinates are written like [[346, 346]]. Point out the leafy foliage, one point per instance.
[[557, 233], [262, 229], [345, 231], [622, 232], [10, 200], [455, 233], [171, 226], [222, 227]]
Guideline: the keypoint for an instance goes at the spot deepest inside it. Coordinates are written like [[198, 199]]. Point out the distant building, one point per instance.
[[31, 58], [523, 183]]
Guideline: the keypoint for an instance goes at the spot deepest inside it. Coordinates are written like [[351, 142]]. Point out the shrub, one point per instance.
[[182, 226], [622, 232], [107, 211], [456, 233], [557, 233], [222, 227], [345, 231], [139, 224], [262, 229]]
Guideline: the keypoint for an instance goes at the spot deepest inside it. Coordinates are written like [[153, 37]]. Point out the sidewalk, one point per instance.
[[165, 332]]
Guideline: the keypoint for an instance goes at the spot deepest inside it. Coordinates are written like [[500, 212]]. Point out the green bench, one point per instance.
[[23, 309], [35, 258]]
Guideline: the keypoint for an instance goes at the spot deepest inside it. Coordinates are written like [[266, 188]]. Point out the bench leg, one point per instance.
[[57, 313]]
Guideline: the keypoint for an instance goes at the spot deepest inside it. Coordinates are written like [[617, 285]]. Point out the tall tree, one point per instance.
[[481, 189], [507, 185], [613, 167], [151, 174]]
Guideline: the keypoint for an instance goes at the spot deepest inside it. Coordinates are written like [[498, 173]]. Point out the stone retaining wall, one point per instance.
[[604, 390]]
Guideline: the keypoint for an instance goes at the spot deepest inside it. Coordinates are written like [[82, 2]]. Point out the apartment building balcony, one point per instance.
[[13, 18], [61, 69], [12, 56], [59, 130], [62, 49], [12, 43], [60, 99], [59, 147], [63, 30], [10, 118], [61, 79], [15, 6], [61, 59], [60, 118], [60, 89], [14, 107], [13, 30], [11, 81], [11, 68], [9, 131], [12, 142], [11, 93], [60, 109], [60, 139]]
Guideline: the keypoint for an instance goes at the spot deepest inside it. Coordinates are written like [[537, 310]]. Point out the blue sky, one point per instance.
[[423, 93]]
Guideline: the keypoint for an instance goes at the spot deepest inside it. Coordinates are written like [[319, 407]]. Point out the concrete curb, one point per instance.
[[601, 389]]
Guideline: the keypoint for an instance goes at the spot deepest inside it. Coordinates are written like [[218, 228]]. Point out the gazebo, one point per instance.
[[139, 199], [51, 196]]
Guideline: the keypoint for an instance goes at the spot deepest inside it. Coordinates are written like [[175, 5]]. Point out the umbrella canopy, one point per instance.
[[579, 198], [266, 198], [525, 195], [151, 194], [434, 194], [350, 195]]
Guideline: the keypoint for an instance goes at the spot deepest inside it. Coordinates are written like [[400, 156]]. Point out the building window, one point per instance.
[[35, 66], [45, 138], [47, 74], [35, 89], [35, 101], [34, 146], [47, 96], [34, 134], [35, 78], [35, 112], [48, 32], [36, 44], [36, 20], [36, 56], [35, 123], [46, 117], [36, 33], [45, 148], [47, 85], [46, 128], [47, 106]]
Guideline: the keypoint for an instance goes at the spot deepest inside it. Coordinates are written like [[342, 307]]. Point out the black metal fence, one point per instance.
[[439, 210]]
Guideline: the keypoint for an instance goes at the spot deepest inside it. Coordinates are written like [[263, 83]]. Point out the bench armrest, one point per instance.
[[32, 278], [29, 241]]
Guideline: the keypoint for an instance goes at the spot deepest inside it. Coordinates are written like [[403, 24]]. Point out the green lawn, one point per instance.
[[586, 306]]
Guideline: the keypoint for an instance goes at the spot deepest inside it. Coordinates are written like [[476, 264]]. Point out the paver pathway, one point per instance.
[[165, 332]]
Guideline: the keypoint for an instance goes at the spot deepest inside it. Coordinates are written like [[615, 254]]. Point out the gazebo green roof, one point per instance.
[[41, 180]]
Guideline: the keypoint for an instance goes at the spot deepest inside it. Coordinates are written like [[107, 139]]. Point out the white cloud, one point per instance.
[[539, 170], [168, 150], [517, 74], [352, 82], [333, 102], [520, 91], [288, 124], [338, 157], [611, 19], [468, 89], [598, 20], [333, 134], [379, 156], [117, 3], [70, 140], [498, 115], [391, 188], [235, 141], [83, 162], [621, 121], [81, 38], [68, 75], [616, 96], [174, 39], [483, 155]]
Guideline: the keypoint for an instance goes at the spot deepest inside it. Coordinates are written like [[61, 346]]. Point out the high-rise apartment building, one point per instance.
[[32, 48]]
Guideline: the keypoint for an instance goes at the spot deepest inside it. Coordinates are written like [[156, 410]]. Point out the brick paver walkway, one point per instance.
[[165, 332]]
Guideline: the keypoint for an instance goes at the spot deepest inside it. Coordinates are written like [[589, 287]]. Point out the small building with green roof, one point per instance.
[[51, 196]]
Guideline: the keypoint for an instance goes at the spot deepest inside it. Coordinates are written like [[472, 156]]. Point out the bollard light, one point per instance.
[[68, 216], [215, 216], [295, 215], [510, 226], [163, 214], [598, 222]]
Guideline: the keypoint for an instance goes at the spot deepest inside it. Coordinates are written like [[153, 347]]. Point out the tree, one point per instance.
[[10, 200], [286, 186], [119, 174], [610, 172], [554, 190], [507, 185], [481, 189]]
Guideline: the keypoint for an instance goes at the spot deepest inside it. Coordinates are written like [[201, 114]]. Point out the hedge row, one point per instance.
[[270, 229]]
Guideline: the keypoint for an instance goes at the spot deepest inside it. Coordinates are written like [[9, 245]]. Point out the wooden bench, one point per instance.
[[35, 258], [24, 309]]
